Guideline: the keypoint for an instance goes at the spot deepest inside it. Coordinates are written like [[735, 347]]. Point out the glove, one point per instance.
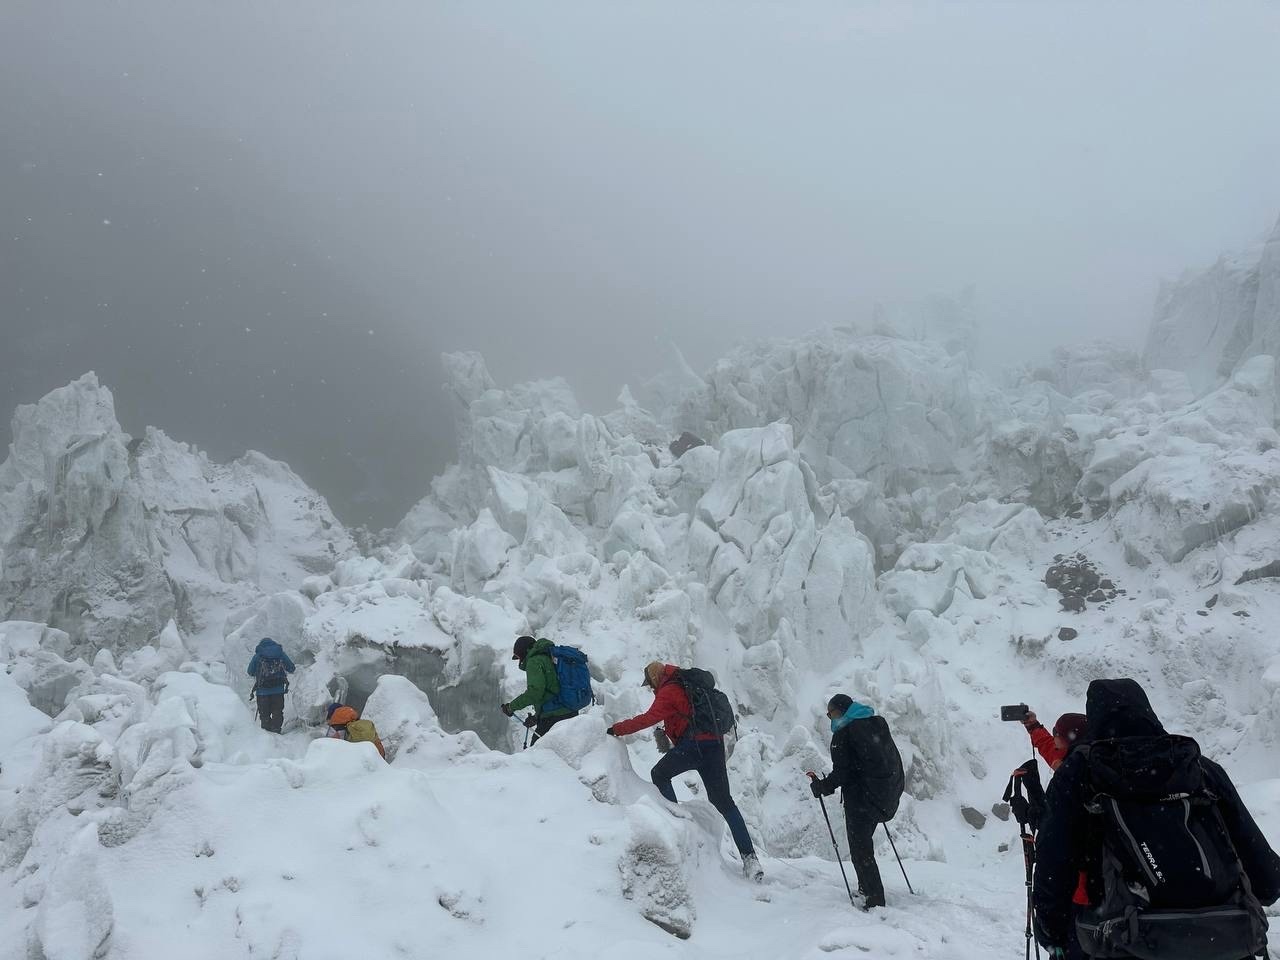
[[530, 721], [814, 786], [506, 708], [1030, 721], [662, 740], [609, 731], [1057, 953]]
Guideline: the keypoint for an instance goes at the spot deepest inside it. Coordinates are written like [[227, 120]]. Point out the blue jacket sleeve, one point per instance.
[[253, 666], [288, 664], [1057, 870]]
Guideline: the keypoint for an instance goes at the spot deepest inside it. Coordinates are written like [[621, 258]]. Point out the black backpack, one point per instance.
[[1173, 887], [712, 711], [271, 673]]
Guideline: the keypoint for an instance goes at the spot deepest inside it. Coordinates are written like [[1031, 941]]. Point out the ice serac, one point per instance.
[[773, 563], [1210, 321], [109, 537], [1195, 475], [949, 321], [893, 411]]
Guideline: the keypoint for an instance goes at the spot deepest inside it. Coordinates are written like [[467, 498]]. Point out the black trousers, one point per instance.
[[862, 851], [271, 711], [546, 723], [707, 758]]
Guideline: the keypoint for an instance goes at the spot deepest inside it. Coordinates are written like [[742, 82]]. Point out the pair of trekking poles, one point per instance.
[[1025, 797], [892, 846]]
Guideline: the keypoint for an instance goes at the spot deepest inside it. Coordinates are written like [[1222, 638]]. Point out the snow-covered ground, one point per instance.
[[867, 514], [237, 843]]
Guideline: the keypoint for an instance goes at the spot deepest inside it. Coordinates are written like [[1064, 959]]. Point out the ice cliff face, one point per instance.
[[894, 412], [109, 537], [1208, 322]]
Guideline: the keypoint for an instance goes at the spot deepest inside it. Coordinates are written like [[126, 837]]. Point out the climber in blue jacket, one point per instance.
[[270, 669]]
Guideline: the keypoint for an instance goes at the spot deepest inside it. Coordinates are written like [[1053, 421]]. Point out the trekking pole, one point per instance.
[[896, 857], [1022, 796], [524, 723], [1028, 857], [847, 888]]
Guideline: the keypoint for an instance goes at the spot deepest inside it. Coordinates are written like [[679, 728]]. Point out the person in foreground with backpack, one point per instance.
[[542, 686], [696, 732], [346, 724], [270, 669], [867, 768], [1177, 869]]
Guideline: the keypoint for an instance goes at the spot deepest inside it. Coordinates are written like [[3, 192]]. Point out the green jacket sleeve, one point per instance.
[[541, 687]]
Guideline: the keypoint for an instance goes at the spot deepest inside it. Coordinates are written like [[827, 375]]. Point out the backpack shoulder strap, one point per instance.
[[680, 680]]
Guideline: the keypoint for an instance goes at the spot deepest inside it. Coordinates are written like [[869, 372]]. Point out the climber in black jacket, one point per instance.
[[868, 770], [1065, 845]]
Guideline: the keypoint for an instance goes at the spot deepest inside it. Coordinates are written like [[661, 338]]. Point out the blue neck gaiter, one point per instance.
[[856, 711]]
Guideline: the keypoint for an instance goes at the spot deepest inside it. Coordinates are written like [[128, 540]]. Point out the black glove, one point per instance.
[[530, 721], [815, 787], [609, 731], [506, 708], [662, 740]]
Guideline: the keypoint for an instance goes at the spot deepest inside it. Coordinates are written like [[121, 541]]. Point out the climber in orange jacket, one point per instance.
[[345, 724]]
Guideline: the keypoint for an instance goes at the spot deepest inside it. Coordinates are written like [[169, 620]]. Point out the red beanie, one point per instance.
[[1071, 727]]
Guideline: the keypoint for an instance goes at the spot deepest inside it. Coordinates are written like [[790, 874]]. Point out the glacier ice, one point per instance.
[[867, 514], [109, 537]]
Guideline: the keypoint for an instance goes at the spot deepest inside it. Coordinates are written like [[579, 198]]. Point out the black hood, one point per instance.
[[1120, 708]]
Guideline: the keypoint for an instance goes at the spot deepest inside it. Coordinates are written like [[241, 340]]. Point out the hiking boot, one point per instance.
[[751, 868], [871, 902]]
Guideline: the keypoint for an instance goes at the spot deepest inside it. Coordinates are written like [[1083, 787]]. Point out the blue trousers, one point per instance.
[[707, 758]]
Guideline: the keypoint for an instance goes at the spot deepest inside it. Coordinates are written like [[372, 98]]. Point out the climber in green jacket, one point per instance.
[[542, 686]]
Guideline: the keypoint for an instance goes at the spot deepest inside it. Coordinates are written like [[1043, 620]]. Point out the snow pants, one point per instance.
[[707, 758], [862, 851], [546, 723], [271, 711]]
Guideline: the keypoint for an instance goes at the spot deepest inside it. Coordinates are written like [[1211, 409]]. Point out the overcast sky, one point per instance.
[[261, 223]]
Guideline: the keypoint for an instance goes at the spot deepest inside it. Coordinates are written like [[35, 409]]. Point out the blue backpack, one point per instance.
[[574, 678]]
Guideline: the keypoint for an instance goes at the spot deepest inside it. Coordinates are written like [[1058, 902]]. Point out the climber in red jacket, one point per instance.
[[1069, 731], [695, 747]]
